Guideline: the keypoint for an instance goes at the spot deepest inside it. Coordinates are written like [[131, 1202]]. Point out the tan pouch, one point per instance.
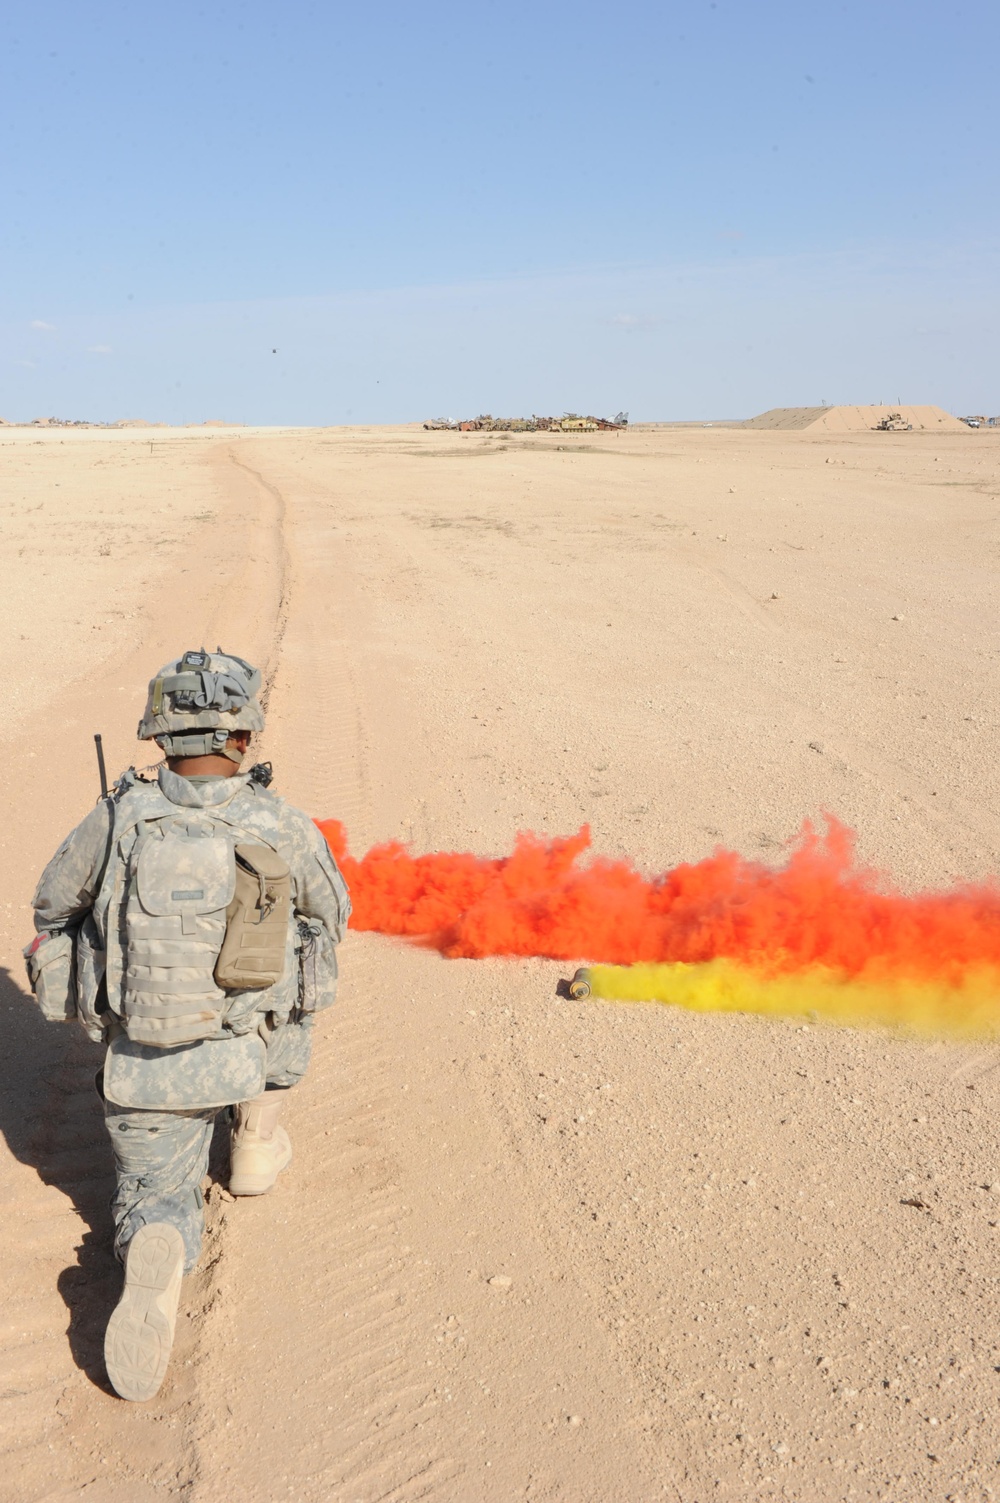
[[253, 952]]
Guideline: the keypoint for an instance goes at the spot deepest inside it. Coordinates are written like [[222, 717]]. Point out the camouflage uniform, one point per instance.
[[161, 1103]]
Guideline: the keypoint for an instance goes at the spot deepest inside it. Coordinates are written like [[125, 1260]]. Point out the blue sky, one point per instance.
[[324, 213]]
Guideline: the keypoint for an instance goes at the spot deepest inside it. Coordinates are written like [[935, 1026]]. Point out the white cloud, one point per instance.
[[40, 323], [634, 321], [99, 349]]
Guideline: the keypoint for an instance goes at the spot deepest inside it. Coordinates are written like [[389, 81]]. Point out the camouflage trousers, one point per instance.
[[161, 1157]]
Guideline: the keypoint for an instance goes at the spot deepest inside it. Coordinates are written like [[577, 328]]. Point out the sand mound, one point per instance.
[[857, 419], [788, 419], [853, 419]]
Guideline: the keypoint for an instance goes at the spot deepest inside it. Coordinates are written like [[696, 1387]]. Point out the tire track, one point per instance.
[[63, 1428], [281, 608], [344, 1384], [394, 1370]]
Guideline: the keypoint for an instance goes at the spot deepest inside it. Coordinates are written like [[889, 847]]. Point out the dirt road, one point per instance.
[[706, 1280]]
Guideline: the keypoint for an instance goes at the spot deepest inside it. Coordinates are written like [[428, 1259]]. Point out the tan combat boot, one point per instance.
[[259, 1148], [141, 1331]]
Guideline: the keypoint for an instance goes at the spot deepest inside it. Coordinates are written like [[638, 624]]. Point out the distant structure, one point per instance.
[[857, 419], [570, 422], [57, 422]]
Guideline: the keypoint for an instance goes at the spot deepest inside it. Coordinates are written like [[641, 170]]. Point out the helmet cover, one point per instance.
[[211, 693]]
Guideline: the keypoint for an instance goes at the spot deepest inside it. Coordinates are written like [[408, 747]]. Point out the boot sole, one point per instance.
[[258, 1184], [140, 1334]]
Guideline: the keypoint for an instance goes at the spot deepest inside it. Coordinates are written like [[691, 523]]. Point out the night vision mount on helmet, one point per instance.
[[197, 701]]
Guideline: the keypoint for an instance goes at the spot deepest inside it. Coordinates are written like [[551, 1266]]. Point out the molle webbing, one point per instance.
[[182, 878]]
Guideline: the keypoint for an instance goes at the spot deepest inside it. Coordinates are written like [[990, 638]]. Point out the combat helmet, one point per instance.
[[197, 701]]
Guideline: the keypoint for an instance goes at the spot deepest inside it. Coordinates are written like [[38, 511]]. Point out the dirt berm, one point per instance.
[[854, 419]]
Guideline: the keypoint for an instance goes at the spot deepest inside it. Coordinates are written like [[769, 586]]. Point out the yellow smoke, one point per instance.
[[969, 1008]]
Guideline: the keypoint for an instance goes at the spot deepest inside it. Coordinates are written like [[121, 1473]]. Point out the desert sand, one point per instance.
[[710, 1283]]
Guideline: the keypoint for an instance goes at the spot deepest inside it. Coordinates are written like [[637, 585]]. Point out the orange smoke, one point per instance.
[[818, 909]]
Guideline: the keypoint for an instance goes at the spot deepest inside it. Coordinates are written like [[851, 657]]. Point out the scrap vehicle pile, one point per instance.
[[570, 422]]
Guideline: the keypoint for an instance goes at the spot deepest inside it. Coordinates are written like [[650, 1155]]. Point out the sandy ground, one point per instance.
[[685, 637]]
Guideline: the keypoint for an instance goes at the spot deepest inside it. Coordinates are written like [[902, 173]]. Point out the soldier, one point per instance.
[[190, 924]]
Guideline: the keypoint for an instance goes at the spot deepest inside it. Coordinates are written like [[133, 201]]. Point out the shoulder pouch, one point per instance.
[[51, 965]]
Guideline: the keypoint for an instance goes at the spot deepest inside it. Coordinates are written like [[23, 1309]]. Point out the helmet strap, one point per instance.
[[207, 743]]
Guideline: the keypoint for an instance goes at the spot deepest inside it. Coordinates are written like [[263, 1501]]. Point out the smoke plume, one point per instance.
[[819, 912]]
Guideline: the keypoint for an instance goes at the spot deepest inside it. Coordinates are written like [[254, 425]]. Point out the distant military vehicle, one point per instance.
[[893, 424], [573, 423]]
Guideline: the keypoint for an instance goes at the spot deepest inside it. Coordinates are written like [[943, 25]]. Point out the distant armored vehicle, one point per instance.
[[573, 424], [893, 424]]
